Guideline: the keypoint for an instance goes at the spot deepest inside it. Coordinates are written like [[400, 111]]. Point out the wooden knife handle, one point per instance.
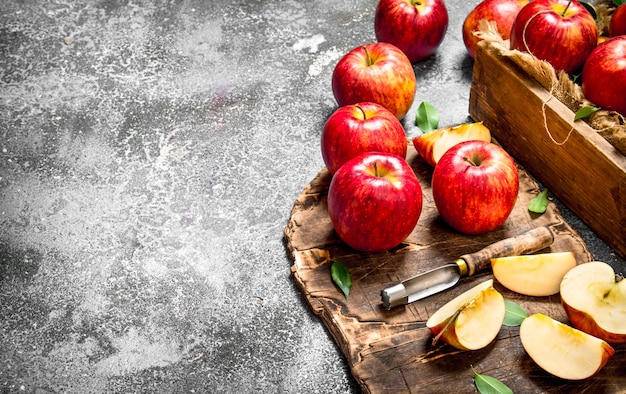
[[526, 243]]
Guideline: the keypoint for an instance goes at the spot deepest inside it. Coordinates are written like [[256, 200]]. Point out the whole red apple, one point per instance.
[[378, 72], [475, 186], [374, 201], [417, 27], [604, 75], [502, 12], [561, 32], [359, 128], [617, 25]]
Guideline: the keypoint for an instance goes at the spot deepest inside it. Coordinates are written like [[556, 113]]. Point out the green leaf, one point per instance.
[[515, 314], [341, 276], [539, 203], [590, 8], [585, 112], [427, 118], [488, 385], [619, 2]]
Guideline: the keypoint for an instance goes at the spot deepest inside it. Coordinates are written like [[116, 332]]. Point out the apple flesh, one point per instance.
[[604, 75], [562, 350], [377, 72], [537, 275], [595, 302], [374, 201], [360, 128], [561, 32], [432, 145], [471, 320], [502, 12]]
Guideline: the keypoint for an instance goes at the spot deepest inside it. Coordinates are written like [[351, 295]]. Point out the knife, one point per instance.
[[442, 278]]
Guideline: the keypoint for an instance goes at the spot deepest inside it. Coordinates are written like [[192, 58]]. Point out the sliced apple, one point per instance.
[[562, 350], [594, 299], [432, 145], [471, 320], [534, 275]]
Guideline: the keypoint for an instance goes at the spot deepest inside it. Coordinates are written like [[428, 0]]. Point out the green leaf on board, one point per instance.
[[489, 385], [539, 203], [427, 118], [619, 2], [585, 112], [590, 8], [341, 276], [515, 314]]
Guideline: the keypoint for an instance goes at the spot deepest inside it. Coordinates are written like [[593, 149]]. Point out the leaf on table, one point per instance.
[[427, 118], [514, 314], [490, 385], [341, 276], [585, 112], [539, 203]]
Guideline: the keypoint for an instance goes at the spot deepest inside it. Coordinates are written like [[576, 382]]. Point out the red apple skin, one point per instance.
[[417, 27], [475, 186], [586, 323], [374, 213], [604, 75], [502, 12], [377, 72], [617, 25], [563, 41], [359, 128]]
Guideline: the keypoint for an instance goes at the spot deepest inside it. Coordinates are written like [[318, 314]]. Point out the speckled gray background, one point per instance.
[[151, 152]]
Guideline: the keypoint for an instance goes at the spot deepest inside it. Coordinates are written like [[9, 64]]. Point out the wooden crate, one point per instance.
[[586, 172]]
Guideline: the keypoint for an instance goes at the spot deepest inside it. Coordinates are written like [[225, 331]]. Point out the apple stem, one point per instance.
[[566, 7], [370, 61], [375, 165], [362, 111], [472, 162]]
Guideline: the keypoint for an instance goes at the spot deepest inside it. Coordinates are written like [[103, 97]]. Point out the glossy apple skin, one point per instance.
[[502, 12], [416, 27], [617, 26], [563, 41], [604, 75], [359, 128], [370, 212], [376, 72], [475, 186]]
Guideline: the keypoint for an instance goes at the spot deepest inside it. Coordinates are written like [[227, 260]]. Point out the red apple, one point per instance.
[[617, 25], [417, 27], [475, 186], [377, 72], [374, 201], [360, 128], [502, 12], [604, 75], [561, 32]]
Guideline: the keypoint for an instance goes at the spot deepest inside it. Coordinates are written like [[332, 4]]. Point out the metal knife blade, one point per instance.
[[442, 278]]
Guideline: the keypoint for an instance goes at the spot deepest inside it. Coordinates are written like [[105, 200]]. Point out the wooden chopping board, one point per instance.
[[392, 351]]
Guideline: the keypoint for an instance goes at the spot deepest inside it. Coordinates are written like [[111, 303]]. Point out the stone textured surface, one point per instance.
[[151, 152]]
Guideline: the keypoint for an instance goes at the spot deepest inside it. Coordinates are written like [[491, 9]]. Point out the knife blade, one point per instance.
[[444, 277]]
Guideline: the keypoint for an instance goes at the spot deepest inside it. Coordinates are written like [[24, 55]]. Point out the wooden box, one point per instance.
[[576, 164]]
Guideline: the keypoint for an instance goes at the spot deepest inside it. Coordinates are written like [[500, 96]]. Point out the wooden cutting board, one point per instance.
[[392, 351]]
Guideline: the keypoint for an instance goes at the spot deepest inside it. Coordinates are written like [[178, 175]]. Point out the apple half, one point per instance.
[[536, 275], [594, 299], [471, 320], [562, 350], [432, 145]]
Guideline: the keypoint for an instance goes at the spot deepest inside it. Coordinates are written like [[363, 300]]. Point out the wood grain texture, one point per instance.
[[392, 351], [581, 168]]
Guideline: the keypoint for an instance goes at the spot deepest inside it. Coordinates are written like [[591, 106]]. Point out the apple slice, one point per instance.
[[471, 320], [432, 145], [594, 299], [562, 350], [536, 275]]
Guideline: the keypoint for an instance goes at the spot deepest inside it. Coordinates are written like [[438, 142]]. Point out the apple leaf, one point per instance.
[[590, 8], [427, 118], [619, 2], [539, 203], [585, 112], [514, 315], [489, 385], [341, 276]]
